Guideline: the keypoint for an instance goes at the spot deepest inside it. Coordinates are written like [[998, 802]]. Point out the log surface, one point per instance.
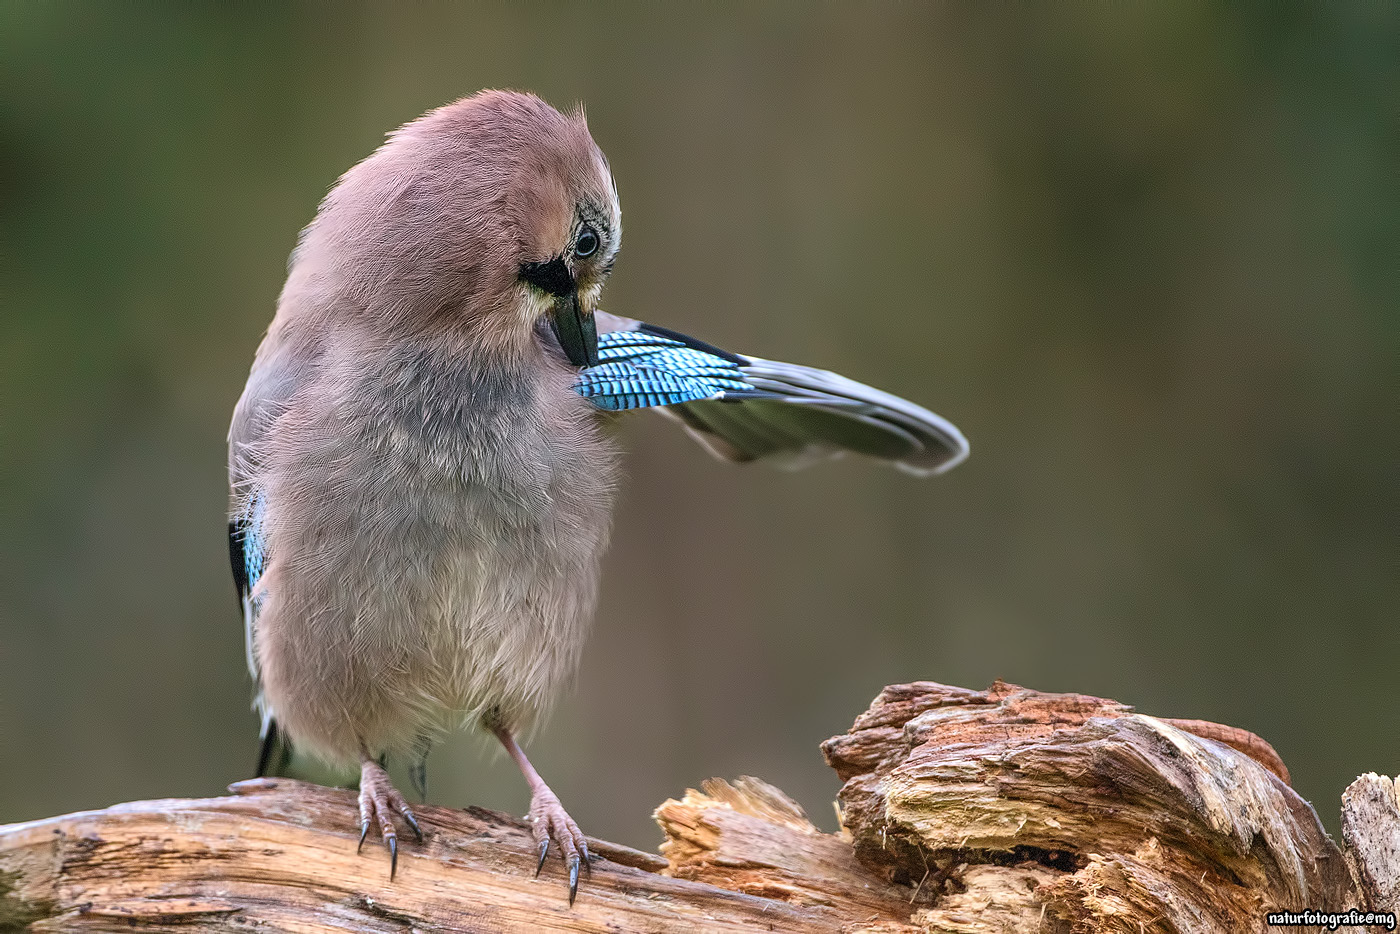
[[281, 856], [1371, 829], [1005, 810], [1075, 813]]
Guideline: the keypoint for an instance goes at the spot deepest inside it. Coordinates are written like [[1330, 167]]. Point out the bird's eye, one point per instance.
[[586, 244]]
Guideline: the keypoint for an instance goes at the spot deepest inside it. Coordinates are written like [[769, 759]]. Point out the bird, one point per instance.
[[421, 471]]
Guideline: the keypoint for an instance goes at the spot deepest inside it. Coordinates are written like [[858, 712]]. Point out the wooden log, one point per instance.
[[1371, 829], [963, 811], [281, 856], [1061, 812]]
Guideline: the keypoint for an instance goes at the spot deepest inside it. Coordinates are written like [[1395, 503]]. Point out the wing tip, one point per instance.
[[955, 443], [958, 453]]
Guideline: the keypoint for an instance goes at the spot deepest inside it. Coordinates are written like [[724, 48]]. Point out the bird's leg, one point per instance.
[[548, 818], [379, 799]]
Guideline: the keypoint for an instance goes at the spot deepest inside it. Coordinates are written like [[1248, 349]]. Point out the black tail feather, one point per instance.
[[275, 752]]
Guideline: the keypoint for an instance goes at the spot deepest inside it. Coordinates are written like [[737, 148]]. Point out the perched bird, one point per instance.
[[421, 486]]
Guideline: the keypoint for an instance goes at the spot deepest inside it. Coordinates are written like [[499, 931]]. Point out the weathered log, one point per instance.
[[1371, 829], [1003, 810], [1061, 812], [281, 856]]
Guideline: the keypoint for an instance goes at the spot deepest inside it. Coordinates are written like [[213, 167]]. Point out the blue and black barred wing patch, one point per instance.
[[246, 547], [247, 551], [745, 408], [640, 370]]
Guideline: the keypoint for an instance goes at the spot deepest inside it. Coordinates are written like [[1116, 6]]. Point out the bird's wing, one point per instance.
[[275, 377], [747, 408], [247, 548]]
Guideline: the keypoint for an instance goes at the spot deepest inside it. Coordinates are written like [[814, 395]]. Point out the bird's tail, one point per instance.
[[275, 753]]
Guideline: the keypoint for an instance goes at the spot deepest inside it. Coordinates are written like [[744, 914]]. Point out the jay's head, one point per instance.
[[482, 221]]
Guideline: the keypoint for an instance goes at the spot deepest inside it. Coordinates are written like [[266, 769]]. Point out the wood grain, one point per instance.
[[964, 812], [1371, 829], [1076, 813], [280, 856]]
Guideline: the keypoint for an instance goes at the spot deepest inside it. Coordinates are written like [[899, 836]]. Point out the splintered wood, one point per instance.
[[1371, 829], [964, 812], [1074, 813], [752, 838]]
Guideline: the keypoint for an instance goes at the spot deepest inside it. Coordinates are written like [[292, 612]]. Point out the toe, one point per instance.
[[412, 823], [581, 844], [567, 849]]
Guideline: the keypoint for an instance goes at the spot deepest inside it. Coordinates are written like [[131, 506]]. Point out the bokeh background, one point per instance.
[[1144, 255]]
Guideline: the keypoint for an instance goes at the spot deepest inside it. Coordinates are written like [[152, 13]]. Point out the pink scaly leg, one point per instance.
[[548, 818]]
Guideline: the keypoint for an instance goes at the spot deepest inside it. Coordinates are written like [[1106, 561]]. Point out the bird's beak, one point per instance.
[[576, 329]]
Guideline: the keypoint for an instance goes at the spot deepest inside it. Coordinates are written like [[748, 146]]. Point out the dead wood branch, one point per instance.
[[1003, 810]]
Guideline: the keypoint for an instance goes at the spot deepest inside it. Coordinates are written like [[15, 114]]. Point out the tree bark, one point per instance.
[[1003, 810]]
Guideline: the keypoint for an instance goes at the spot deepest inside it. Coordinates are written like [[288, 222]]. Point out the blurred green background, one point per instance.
[[1144, 255]]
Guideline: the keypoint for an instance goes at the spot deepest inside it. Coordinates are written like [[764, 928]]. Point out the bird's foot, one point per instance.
[[379, 799], [549, 821]]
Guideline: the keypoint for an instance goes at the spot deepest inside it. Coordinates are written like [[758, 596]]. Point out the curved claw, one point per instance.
[[364, 832], [393, 857], [544, 851], [413, 824], [573, 879]]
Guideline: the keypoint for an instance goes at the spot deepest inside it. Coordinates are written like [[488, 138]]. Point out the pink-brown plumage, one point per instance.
[[435, 498]]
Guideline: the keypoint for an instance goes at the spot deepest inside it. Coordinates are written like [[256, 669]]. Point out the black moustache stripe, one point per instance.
[[552, 277]]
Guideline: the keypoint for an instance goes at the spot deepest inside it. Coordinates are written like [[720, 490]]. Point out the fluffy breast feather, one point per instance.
[[434, 536]]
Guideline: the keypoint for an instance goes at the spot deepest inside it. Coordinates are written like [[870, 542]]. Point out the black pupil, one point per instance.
[[587, 243]]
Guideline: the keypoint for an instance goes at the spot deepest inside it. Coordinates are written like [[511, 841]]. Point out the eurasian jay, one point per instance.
[[421, 480]]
